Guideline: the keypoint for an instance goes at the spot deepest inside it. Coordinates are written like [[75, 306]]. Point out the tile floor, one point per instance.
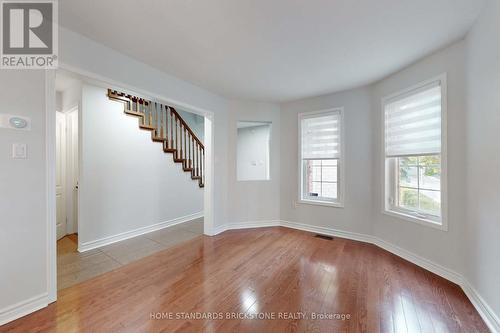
[[74, 267]]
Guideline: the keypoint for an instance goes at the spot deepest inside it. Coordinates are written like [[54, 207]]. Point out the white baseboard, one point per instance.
[[136, 232], [23, 308], [485, 311], [253, 224], [419, 261], [245, 225], [218, 230], [328, 231]]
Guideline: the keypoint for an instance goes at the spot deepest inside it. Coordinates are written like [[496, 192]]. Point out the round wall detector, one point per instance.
[[18, 122]]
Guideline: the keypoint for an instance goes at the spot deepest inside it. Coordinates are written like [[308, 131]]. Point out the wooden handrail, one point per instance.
[[113, 94], [187, 127]]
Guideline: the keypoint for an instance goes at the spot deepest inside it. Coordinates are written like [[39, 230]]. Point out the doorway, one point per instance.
[[102, 258], [67, 172]]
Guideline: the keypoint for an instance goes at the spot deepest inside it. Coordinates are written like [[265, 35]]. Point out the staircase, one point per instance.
[[168, 127]]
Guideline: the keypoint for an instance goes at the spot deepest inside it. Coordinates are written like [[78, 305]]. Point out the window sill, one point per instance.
[[422, 221], [321, 203]]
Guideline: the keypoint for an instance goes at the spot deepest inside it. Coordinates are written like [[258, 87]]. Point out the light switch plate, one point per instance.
[[19, 151]]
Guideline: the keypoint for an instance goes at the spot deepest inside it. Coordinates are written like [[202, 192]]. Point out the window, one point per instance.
[[320, 157], [414, 159]]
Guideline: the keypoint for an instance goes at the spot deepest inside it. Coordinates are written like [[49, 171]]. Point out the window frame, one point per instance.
[[389, 170], [339, 202]]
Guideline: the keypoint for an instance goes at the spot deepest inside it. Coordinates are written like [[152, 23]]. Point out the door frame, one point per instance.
[[50, 109], [70, 171], [64, 180]]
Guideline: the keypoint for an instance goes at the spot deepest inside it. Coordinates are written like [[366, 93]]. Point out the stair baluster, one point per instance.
[[185, 149], [150, 113], [165, 112], [162, 119], [197, 161], [176, 139], [183, 143], [171, 129], [189, 150], [192, 152]]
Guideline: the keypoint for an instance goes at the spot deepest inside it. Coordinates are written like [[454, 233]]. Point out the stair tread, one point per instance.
[[133, 113]]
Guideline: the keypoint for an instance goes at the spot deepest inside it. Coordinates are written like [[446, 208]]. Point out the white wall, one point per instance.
[[83, 55], [356, 215], [195, 122], [482, 233], [441, 247], [71, 97], [59, 99], [23, 193], [254, 201], [253, 153], [127, 182]]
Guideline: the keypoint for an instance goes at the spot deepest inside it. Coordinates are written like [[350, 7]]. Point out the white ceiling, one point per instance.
[[273, 50]]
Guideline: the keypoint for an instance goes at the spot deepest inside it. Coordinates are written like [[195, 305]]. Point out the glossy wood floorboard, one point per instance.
[[244, 274]]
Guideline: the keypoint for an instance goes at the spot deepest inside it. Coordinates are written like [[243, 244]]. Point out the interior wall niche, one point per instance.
[[253, 142]]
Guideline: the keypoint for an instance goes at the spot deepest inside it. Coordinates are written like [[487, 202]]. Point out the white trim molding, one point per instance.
[[419, 261], [484, 310], [244, 225], [253, 224], [23, 308], [327, 231], [83, 247], [50, 150]]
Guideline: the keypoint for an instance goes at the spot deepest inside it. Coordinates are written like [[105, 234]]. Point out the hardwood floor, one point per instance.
[[261, 272]]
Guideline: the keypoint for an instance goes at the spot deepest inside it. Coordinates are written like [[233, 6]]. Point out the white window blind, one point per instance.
[[413, 123], [321, 136]]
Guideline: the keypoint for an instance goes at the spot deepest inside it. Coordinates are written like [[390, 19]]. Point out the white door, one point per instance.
[[60, 174], [72, 171]]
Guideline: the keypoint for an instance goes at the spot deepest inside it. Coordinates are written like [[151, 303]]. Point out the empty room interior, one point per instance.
[[250, 166]]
